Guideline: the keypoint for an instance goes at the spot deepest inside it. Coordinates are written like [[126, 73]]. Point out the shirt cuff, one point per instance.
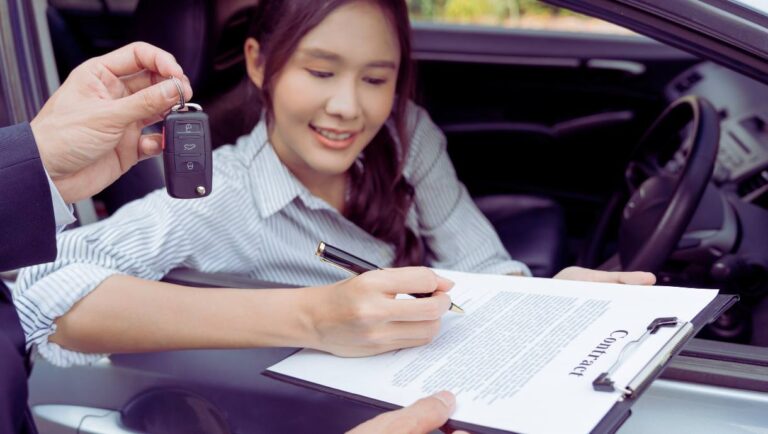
[[62, 213]]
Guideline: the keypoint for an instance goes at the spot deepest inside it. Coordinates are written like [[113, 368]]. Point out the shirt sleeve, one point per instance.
[[457, 234], [146, 239], [142, 239], [62, 213]]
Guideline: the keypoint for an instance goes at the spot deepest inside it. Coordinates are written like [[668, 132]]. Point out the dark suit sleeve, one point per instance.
[[27, 225]]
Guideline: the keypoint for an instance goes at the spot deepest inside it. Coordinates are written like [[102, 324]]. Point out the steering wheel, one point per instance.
[[663, 184]]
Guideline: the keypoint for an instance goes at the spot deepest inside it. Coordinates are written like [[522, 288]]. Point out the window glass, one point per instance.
[[756, 5], [520, 14]]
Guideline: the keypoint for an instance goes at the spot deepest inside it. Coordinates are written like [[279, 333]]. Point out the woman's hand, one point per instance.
[[360, 316], [589, 275]]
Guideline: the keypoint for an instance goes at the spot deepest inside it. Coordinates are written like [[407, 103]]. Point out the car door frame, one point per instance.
[[704, 31]]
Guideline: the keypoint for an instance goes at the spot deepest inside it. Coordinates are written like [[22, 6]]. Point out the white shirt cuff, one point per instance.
[[62, 213]]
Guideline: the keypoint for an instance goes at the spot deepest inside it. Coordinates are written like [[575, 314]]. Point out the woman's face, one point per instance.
[[335, 92]]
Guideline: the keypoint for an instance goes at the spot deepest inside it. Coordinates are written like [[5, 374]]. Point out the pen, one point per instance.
[[352, 264]]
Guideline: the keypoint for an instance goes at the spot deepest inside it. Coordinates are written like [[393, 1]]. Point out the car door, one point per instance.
[[223, 391]]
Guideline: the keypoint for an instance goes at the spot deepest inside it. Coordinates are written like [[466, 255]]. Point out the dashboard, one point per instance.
[[742, 161]]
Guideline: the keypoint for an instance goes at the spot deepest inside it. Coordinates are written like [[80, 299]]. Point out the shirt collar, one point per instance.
[[274, 186]]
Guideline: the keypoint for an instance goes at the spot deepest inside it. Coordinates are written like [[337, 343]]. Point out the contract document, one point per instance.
[[522, 358]]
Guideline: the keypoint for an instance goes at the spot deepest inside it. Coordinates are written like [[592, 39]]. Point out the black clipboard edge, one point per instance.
[[451, 424], [620, 412]]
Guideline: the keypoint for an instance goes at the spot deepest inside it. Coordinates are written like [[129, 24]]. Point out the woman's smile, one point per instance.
[[335, 139]]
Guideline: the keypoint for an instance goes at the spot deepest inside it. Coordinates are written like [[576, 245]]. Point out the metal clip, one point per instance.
[[603, 382], [186, 107], [181, 103]]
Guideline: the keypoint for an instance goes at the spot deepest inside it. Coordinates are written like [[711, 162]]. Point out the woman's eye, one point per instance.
[[320, 74], [375, 81]]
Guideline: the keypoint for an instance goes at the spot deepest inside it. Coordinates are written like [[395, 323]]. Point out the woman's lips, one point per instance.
[[331, 143]]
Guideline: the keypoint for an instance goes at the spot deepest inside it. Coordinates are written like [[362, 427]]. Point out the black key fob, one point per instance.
[[187, 152]]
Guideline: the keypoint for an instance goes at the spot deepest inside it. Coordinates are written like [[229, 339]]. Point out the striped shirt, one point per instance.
[[261, 221]]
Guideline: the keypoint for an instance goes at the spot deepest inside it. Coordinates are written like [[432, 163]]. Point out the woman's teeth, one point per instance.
[[333, 136]]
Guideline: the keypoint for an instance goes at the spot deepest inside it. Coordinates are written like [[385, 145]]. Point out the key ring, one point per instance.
[[182, 103]]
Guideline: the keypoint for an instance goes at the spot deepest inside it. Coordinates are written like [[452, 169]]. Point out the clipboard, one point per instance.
[[612, 420], [621, 411]]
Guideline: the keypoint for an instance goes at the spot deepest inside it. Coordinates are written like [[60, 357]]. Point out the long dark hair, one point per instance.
[[380, 196]]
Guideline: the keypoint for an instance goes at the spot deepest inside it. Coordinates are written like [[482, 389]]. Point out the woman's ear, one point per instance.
[[253, 63]]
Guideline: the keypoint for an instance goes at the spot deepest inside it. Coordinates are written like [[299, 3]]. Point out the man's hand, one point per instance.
[[626, 277], [423, 416], [89, 131]]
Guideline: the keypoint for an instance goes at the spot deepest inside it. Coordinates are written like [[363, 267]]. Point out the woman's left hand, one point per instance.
[[590, 275]]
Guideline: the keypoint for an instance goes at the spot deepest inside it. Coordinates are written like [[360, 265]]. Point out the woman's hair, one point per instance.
[[380, 196]]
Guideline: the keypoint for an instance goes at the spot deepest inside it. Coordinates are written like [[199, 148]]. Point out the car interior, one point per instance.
[[553, 134], [605, 151]]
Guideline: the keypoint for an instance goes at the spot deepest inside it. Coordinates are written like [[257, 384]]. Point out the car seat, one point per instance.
[[532, 229]]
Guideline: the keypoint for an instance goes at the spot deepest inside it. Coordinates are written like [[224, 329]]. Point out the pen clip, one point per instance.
[[350, 271]]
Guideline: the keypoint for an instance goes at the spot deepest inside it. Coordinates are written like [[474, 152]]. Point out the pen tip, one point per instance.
[[320, 249], [456, 309]]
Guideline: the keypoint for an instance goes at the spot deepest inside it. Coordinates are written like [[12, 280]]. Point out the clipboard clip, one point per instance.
[[604, 383]]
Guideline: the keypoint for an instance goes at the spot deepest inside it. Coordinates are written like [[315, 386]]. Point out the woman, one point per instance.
[[340, 155]]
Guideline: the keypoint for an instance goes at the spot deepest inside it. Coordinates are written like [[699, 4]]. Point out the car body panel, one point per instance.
[[626, 78]]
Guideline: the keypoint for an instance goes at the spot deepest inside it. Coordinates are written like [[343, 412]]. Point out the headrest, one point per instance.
[[206, 36]]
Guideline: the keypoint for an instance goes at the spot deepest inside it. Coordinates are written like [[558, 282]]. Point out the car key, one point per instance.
[[187, 150]]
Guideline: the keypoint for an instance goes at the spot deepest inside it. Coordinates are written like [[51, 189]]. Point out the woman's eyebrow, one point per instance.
[[383, 64], [330, 56], [319, 53]]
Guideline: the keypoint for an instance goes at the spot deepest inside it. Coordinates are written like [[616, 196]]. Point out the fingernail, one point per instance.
[[446, 397], [169, 89], [450, 283]]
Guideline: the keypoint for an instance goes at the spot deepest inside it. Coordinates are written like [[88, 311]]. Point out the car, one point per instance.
[[612, 151]]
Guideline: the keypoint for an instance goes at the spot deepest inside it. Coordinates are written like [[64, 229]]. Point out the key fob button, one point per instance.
[[188, 145], [189, 128], [189, 164]]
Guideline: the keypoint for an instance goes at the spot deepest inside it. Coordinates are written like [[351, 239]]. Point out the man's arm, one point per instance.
[[85, 136], [27, 226]]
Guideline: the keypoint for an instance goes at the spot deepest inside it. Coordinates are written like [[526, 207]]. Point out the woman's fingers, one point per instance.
[[590, 275], [636, 278], [361, 316], [407, 280], [418, 309], [407, 330]]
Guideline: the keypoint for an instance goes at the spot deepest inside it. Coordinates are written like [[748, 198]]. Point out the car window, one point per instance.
[[757, 5], [516, 14]]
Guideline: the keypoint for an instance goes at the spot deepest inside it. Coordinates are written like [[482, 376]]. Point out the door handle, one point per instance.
[[75, 419]]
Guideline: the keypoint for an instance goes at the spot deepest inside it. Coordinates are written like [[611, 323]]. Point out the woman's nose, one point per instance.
[[344, 102]]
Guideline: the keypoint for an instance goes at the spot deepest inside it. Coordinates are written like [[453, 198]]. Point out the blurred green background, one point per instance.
[[507, 13]]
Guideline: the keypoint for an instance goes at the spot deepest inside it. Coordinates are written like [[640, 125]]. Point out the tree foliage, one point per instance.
[[471, 10]]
